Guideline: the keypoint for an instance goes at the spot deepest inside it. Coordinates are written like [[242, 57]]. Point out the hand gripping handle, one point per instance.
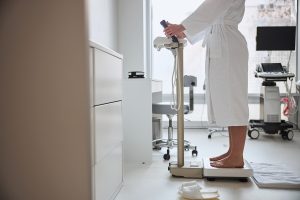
[[165, 25]]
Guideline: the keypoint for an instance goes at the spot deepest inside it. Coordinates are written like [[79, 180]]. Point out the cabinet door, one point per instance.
[[108, 129], [107, 77], [109, 175]]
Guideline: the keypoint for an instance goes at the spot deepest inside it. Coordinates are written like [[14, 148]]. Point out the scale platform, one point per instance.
[[212, 173], [191, 169]]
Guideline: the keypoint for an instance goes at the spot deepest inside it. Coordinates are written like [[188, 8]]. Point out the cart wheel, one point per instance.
[[290, 135], [284, 135], [253, 134]]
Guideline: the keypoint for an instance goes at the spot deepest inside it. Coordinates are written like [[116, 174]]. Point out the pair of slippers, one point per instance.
[[192, 190]]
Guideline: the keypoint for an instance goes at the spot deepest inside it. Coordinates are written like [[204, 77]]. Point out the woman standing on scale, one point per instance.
[[226, 70]]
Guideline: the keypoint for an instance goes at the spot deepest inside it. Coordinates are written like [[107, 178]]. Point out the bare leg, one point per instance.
[[225, 154], [235, 158]]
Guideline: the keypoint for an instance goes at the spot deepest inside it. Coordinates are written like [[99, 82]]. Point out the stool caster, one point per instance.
[[195, 152], [167, 155]]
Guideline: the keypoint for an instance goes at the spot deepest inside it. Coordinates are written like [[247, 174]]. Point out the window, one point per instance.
[[194, 55], [257, 13]]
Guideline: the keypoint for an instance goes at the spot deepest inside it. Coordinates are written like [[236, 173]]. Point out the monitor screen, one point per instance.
[[275, 38], [272, 67]]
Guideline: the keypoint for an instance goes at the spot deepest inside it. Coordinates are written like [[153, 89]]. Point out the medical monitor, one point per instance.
[[276, 38], [272, 67]]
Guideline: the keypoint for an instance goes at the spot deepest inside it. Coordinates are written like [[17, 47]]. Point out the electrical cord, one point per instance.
[[291, 107], [174, 104], [288, 63]]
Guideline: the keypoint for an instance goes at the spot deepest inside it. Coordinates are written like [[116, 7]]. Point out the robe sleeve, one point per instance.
[[203, 17]]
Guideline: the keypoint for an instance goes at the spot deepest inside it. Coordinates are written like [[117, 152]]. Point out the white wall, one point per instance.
[[103, 22], [44, 104], [298, 55], [132, 35], [120, 26], [298, 42]]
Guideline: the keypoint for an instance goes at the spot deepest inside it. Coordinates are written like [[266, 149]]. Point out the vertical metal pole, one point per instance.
[[191, 95], [180, 100]]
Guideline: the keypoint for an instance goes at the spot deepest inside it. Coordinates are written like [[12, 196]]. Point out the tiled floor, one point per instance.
[[153, 182]]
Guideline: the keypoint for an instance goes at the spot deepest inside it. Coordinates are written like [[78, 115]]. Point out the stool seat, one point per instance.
[[165, 108]]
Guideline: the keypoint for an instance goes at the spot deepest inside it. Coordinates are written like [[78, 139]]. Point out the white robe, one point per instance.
[[216, 22]]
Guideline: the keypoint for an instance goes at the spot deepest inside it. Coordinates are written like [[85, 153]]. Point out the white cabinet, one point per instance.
[[137, 116], [108, 174], [107, 77], [139, 93], [107, 129]]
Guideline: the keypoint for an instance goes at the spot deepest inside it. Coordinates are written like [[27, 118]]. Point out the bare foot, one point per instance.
[[219, 157], [229, 162]]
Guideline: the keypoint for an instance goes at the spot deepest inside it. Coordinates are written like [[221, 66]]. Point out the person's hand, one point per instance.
[[174, 30], [181, 35]]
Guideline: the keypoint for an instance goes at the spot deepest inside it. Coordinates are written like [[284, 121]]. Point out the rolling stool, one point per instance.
[[165, 108]]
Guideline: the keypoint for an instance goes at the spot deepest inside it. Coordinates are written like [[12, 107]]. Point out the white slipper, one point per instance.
[[190, 183], [193, 192], [201, 196]]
